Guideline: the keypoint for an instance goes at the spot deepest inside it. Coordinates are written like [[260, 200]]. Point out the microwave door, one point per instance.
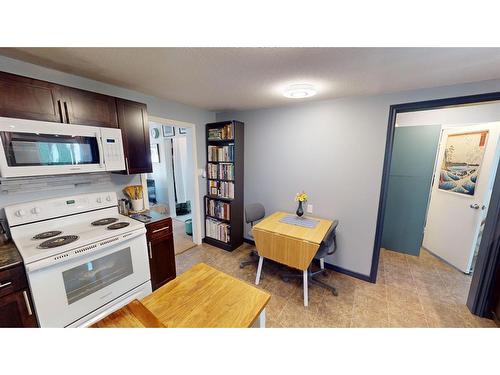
[[35, 151]]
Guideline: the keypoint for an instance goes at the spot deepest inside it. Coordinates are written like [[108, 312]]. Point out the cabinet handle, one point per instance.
[[126, 163], [6, 284], [150, 250], [28, 306], [159, 230], [60, 111], [66, 112]]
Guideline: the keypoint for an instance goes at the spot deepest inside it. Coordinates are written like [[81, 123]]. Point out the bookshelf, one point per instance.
[[224, 200]]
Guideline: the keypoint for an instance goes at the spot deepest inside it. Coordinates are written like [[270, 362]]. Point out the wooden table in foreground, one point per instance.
[[288, 244], [202, 297]]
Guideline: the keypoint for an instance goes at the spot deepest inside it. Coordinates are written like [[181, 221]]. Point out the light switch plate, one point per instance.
[[309, 208]]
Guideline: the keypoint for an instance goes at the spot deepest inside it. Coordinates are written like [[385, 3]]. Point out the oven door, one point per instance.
[[66, 292], [35, 148]]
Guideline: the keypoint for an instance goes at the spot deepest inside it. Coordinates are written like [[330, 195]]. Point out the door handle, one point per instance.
[[60, 111], [27, 301], [66, 112], [474, 206], [4, 285], [150, 250], [161, 229]]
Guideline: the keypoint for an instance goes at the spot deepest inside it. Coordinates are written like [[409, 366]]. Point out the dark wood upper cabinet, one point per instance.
[[28, 98], [133, 121], [89, 108]]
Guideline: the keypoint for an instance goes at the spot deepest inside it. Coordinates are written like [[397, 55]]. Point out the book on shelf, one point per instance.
[[218, 209], [223, 133], [221, 153], [218, 230], [221, 189], [223, 171]]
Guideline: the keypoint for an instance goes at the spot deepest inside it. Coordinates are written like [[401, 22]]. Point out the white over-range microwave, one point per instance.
[[38, 148]]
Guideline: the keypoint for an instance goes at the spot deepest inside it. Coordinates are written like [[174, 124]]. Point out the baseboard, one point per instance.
[[348, 273], [248, 240], [331, 267]]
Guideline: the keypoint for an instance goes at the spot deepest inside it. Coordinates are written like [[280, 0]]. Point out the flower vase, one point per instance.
[[300, 210]]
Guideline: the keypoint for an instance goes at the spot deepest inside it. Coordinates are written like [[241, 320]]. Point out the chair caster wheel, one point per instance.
[[335, 293], [285, 279], [241, 265]]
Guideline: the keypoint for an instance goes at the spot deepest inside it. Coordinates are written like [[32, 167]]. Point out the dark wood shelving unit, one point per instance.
[[236, 204]]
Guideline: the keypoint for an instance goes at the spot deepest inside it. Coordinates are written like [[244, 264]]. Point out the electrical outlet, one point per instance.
[[309, 208]]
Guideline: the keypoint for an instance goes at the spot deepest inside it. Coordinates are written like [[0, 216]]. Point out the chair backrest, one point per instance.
[[329, 244], [254, 212]]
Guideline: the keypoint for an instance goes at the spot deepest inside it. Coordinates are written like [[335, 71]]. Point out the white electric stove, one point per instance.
[[82, 258]]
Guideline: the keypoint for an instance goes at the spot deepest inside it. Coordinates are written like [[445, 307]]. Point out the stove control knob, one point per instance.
[[20, 213], [108, 198], [35, 210], [99, 200]]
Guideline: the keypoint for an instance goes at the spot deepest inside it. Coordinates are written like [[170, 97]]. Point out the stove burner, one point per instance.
[[45, 235], [105, 221], [57, 241], [119, 225]]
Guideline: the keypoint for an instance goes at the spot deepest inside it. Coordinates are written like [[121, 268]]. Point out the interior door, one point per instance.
[[460, 192], [412, 167]]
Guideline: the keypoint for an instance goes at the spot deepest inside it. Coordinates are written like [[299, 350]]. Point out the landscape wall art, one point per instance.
[[462, 162]]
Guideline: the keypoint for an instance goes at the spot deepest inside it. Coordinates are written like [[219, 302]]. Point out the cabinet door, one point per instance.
[[16, 310], [27, 98], [161, 260], [89, 108], [133, 121]]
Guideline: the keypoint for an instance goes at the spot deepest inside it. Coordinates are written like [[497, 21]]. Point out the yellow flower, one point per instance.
[[301, 197]]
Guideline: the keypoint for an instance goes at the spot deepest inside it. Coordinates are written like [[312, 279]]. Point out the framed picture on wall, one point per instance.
[[182, 130], [155, 153], [462, 161], [168, 131]]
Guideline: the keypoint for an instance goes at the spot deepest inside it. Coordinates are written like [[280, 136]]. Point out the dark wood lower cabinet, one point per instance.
[[161, 252], [16, 310], [16, 306]]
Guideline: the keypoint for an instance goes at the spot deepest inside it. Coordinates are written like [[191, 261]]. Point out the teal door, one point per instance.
[[410, 178]]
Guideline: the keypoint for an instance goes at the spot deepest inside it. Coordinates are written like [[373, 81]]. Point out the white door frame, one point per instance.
[[196, 209]]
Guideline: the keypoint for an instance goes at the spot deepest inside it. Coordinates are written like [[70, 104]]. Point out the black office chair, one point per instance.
[[327, 247], [253, 213]]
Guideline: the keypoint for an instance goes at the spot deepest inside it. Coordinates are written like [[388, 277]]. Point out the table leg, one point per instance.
[[306, 297], [259, 270]]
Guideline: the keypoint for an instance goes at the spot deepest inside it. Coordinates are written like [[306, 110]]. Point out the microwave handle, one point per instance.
[[99, 147]]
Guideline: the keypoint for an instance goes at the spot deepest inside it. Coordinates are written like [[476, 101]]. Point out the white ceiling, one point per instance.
[[244, 78]]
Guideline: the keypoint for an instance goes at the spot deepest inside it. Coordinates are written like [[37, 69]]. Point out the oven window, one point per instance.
[[90, 277], [30, 149]]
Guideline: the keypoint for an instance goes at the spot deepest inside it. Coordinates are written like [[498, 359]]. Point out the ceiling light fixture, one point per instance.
[[299, 91]]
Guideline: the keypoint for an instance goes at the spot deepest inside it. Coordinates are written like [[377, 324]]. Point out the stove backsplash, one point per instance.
[[35, 188]]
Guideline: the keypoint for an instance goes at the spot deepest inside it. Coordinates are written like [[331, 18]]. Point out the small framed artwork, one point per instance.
[[182, 130], [155, 153], [168, 131], [155, 133]]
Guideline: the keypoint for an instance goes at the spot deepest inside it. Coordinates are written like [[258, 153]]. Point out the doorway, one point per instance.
[[439, 188], [427, 178], [173, 185]]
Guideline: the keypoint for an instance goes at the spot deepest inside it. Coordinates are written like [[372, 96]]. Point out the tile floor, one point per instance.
[[182, 241], [410, 292]]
